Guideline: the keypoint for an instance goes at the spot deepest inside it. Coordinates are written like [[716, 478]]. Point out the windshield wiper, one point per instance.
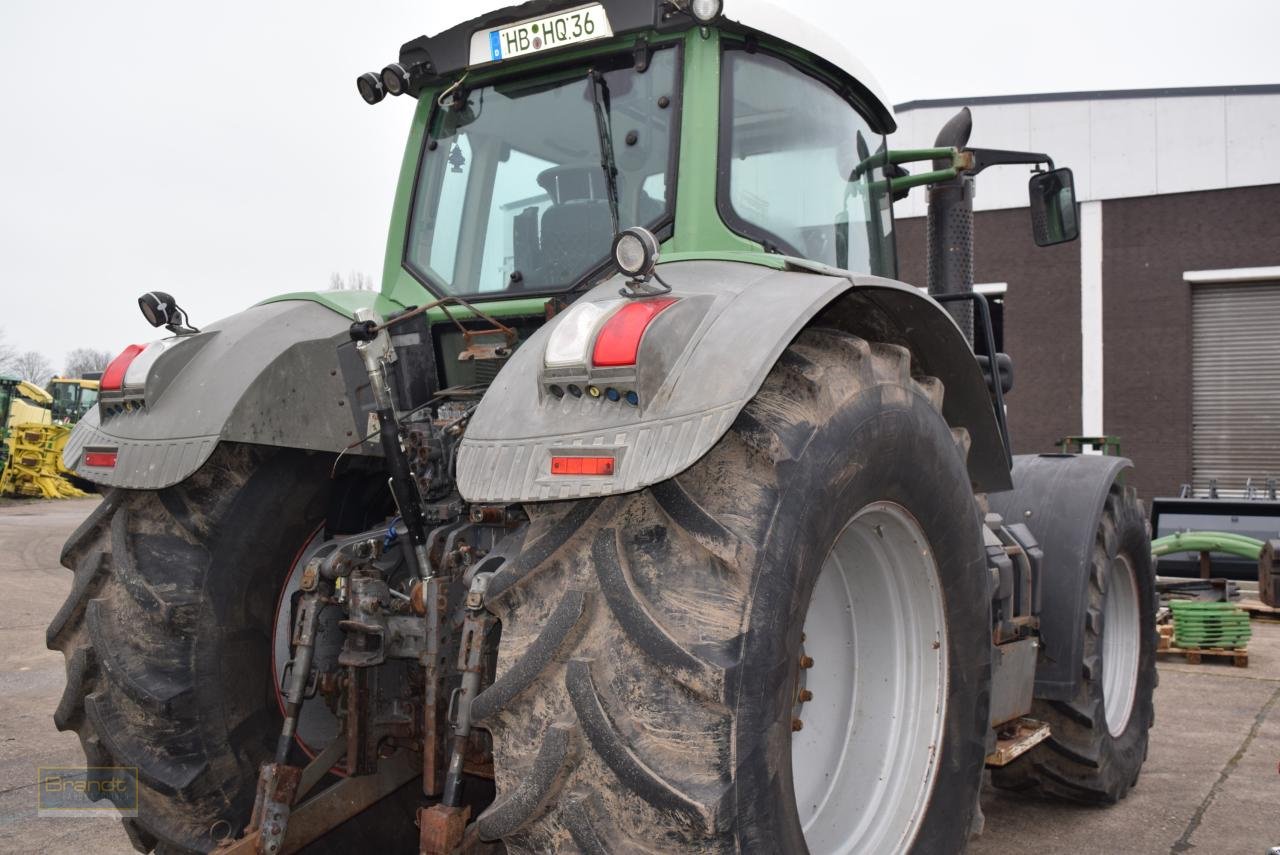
[[600, 100]]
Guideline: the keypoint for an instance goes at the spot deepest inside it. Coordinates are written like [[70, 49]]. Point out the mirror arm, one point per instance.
[[984, 157], [906, 182], [959, 159]]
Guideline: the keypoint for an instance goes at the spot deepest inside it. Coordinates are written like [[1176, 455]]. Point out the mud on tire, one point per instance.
[[650, 641], [167, 635]]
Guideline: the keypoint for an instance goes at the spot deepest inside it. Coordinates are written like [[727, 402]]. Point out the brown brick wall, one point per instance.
[[1148, 242], [1041, 319]]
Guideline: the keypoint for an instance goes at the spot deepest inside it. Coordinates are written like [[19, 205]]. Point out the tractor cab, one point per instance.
[[73, 396], [724, 129], [539, 138]]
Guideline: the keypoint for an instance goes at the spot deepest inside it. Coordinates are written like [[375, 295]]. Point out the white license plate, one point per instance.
[[583, 24]]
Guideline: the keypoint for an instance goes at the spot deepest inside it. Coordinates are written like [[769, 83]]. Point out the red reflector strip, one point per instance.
[[582, 466], [113, 377], [105, 459], [618, 341]]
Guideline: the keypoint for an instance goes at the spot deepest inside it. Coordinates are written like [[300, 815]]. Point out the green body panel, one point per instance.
[[698, 225]]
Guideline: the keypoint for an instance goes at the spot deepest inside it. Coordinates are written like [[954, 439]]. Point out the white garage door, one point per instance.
[[1235, 348]]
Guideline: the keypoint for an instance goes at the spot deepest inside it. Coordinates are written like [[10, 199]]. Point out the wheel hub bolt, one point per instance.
[[806, 661], [796, 724]]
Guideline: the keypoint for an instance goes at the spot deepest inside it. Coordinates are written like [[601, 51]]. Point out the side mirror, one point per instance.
[[1053, 207]]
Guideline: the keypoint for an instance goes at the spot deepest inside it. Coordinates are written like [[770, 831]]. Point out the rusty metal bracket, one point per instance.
[[441, 828], [1015, 739], [328, 809]]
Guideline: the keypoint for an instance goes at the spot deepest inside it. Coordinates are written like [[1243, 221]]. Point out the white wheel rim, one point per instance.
[[864, 761], [1121, 627]]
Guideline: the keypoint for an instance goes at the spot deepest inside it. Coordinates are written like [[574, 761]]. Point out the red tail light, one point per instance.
[[113, 377], [104, 459], [618, 341], [582, 466]]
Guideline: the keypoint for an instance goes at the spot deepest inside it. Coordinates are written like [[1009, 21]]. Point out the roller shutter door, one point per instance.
[[1235, 358]]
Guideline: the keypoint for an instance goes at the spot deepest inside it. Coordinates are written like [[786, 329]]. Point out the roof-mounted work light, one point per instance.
[[395, 79], [370, 88], [705, 11]]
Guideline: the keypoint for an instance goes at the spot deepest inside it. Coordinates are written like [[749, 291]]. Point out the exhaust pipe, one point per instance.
[[951, 227]]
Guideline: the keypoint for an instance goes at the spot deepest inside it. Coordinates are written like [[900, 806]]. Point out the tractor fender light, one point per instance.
[[582, 465], [113, 376], [619, 340], [395, 79], [135, 376], [705, 11], [370, 88], [571, 339], [636, 252], [105, 459]]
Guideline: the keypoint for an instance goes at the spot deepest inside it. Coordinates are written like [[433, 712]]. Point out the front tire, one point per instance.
[[650, 664], [1098, 738]]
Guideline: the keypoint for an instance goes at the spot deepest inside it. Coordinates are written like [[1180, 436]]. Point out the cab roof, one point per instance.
[[448, 52]]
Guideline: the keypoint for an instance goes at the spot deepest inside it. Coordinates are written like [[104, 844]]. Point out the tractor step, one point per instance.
[[1015, 739]]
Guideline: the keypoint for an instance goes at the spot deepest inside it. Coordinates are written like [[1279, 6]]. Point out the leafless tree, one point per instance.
[[7, 356], [353, 281], [32, 366], [83, 360]]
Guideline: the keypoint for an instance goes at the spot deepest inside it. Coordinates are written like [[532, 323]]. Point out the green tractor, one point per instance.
[[642, 510]]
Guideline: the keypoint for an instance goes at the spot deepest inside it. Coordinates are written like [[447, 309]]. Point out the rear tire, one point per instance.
[[167, 635], [650, 653], [1098, 739]]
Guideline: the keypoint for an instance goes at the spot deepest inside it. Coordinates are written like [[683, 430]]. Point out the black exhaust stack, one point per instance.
[[951, 227]]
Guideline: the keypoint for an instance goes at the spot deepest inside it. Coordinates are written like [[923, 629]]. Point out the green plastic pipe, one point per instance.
[[1208, 541]]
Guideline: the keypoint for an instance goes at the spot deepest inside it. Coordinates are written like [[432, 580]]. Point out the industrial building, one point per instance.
[[1161, 324]]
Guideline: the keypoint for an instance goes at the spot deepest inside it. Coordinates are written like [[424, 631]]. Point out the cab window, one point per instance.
[[794, 170]]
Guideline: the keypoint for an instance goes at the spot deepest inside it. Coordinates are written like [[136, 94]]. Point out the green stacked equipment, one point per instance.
[[1199, 626]]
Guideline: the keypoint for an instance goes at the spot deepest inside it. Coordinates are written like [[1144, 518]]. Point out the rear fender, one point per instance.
[[699, 363], [1061, 497], [270, 375]]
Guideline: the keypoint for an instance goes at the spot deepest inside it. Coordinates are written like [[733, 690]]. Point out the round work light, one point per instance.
[[395, 79], [636, 252], [705, 11], [370, 88]]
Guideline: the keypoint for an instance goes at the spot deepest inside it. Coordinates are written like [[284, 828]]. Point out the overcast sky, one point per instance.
[[219, 151]]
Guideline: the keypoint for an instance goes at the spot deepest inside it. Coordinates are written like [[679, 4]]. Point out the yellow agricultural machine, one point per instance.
[[31, 443], [73, 396]]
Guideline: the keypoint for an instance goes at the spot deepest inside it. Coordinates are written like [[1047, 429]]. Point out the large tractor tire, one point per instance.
[[1098, 739], [167, 634], [786, 646]]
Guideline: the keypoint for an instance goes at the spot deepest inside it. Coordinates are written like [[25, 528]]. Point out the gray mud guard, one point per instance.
[[1060, 497], [269, 375], [699, 363]]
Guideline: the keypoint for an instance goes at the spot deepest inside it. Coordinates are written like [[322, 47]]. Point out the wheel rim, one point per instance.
[[864, 759], [1120, 644], [317, 725]]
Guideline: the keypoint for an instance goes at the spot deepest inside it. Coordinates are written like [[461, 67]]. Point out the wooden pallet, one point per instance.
[[1258, 609], [1239, 657]]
